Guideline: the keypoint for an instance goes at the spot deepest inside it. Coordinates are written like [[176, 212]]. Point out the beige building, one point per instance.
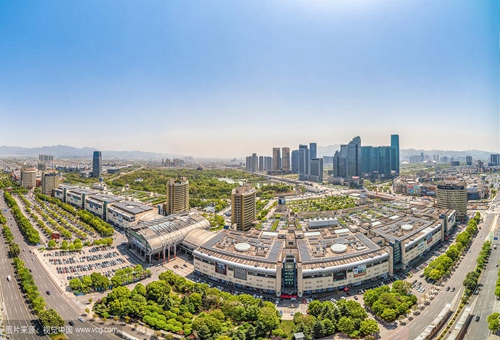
[[292, 262], [285, 159], [28, 178], [177, 196], [243, 210], [453, 195], [50, 181]]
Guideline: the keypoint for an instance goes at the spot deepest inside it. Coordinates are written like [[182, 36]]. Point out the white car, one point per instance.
[[81, 319]]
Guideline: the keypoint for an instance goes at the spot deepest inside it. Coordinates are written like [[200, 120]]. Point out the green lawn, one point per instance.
[[288, 327]]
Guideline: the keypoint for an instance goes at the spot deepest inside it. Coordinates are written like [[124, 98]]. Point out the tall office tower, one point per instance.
[[313, 150], [468, 160], [285, 159], [28, 178], [255, 163], [97, 164], [354, 158], [276, 159], [453, 195], [268, 163], [303, 162], [339, 162], [50, 181], [243, 208], [384, 160], [495, 159], [261, 163], [367, 160], [248, 165], [316, 171], [295, 161], [395, 153], [45, 158], [177, 196]]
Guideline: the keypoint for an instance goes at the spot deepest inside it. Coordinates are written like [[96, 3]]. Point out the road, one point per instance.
[[16, 311], [485, 302], [420, 322], [66, 307]]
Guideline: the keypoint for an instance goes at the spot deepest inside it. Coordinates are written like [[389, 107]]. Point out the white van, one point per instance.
[[8, 278]]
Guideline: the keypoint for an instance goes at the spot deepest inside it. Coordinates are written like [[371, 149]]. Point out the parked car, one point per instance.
[[447, 288], [477, 318]]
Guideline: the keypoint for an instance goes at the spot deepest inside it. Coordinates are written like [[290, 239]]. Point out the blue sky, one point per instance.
[[228, 78]]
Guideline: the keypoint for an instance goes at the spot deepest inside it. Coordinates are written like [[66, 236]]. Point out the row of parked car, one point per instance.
[[99, 256], [63, 261]]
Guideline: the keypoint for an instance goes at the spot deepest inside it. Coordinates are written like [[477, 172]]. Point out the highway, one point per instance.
[[420, 322], [65, 306]]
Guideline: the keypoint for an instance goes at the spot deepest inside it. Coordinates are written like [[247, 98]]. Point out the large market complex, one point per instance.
[[353, 247]]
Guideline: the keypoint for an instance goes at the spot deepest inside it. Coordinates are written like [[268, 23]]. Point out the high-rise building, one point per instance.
[[50, 181], [268, 163], [453, 195], [313, 150], [285, 159], [495, 159], [177, 196], [395, 154], [28, 178], [303, 162], [339, 162], [468, 160], [243, 207], [255, 163], [276, 159], [45, 158], [354, 157], [316, 171], [295, 162], [375, 159], [97, 164], [261, 163]]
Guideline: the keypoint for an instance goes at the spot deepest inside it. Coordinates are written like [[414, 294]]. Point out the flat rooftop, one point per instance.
[[131, 207]]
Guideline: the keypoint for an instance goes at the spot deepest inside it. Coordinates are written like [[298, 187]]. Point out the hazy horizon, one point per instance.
[[226, 79]]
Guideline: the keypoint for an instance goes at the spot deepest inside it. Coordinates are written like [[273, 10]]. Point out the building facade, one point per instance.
[[97, 164], [243, 207], [316, 173], [285, 159], [28, 178], [276, 159], [395, 153], [50, 181], [453, 195], [177, 196]]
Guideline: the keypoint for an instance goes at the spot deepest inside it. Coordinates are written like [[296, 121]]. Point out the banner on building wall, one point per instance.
[[421, 245], [220, 268], [341, 275], [359, 270], [240, 273]]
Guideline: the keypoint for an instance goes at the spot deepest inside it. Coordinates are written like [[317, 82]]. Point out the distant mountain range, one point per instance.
[[65, 151]]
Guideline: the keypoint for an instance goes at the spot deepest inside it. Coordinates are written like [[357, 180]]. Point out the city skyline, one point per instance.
[[264, 75]]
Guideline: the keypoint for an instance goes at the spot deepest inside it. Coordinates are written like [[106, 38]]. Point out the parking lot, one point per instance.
[[69, 265]]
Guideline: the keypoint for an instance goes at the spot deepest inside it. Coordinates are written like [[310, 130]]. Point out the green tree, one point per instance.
[[389, 315], [346, 325], [493, 322], [319, 329], [14, 249], [470, 281], [52, 244], [267, 320], [64, 245], [369, 327]]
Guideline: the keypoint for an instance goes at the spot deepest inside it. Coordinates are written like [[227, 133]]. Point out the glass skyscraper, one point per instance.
[[97, 164], [395, 153]]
